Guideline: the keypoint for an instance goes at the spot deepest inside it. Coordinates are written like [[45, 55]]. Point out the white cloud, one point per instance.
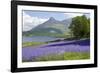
[[30, 22], [71, 15], [87, 15]]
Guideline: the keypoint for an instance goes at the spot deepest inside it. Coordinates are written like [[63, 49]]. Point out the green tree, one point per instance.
[[80, 26]]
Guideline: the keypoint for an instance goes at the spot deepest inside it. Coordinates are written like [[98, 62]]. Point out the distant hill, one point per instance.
[[49, 28]]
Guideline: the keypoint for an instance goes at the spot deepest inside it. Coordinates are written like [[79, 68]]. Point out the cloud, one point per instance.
[[71, 15], [87, 15], [30, 22]]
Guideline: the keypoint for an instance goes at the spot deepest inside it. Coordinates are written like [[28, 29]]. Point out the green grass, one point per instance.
[[76, 55], [32, 44], [64, 56]]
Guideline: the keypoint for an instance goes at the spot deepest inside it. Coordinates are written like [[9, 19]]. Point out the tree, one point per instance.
[[80, 26]]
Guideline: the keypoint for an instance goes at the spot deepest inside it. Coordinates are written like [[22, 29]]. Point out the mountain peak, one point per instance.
[[51, 18]]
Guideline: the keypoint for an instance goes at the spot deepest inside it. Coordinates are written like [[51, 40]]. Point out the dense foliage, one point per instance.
[[80, 27]]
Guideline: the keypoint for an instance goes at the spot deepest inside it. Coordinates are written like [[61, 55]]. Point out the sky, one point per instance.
[[31, 19]]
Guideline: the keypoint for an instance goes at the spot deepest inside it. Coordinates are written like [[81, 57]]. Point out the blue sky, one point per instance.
[[32, 19], [41, 14]]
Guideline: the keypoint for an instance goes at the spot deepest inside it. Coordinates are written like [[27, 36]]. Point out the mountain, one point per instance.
[[66, 21], [50, 27], [49, 23]]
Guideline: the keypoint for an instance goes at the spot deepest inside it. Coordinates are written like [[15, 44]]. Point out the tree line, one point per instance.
[[80, 27]]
